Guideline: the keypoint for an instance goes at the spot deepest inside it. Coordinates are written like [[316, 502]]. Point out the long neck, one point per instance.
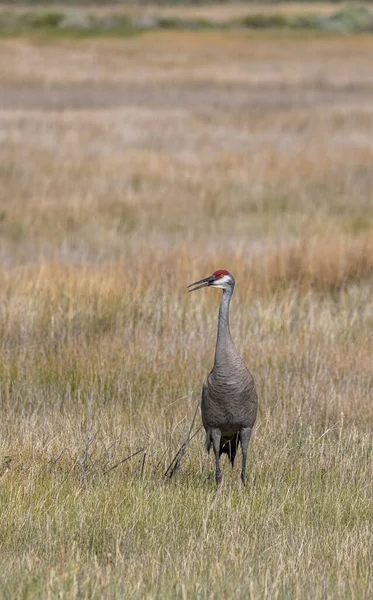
[[224, 341]]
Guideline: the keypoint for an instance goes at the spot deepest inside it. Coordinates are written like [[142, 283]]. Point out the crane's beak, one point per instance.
[[201, 283]]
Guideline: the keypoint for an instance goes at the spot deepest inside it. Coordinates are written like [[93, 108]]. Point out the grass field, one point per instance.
[[129, 168]]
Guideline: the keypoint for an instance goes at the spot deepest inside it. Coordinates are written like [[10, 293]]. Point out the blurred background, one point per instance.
[[142, 147]]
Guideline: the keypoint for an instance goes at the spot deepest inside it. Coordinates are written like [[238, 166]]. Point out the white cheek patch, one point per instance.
[[222, 281]]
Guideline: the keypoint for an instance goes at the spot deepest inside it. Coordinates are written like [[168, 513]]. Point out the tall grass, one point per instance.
[[124, 176]]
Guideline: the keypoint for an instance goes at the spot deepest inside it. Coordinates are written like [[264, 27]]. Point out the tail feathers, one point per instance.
[[229, 446]]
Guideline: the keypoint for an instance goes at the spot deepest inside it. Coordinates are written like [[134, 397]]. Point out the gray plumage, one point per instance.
[[229, 397]]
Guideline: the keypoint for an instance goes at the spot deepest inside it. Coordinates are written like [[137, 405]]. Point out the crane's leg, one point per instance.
[[245, 435], [216, 437]]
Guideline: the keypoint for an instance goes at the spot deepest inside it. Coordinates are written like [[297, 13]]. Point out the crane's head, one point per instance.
[[220, 279]]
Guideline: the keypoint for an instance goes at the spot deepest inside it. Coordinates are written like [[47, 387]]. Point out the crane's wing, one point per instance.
[[204, 392], [203, 397]]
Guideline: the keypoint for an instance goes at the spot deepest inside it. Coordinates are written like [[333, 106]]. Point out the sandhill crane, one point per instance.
[[229, 397]]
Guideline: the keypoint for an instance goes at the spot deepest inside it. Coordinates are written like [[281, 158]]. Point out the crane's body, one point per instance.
[[229, 397]]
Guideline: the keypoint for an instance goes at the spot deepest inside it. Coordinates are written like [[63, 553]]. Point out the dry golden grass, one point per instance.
[[128, 169]]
